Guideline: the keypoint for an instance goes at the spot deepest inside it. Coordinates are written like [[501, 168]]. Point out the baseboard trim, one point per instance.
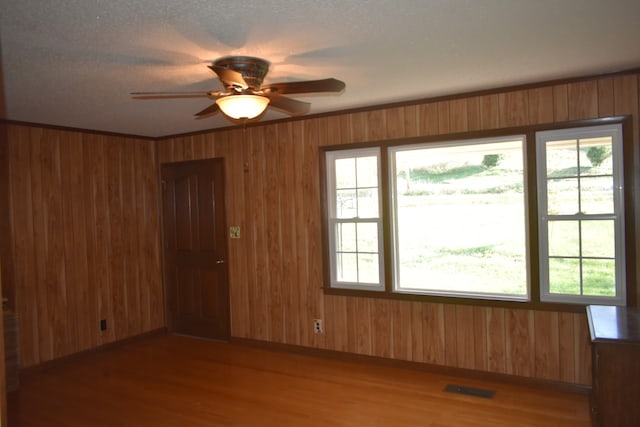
[[407, 364], [50, 364]]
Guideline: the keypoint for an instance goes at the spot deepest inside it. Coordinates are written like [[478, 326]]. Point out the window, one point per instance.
[[354, 219], [459, 223], [455, 217], [580, 215]]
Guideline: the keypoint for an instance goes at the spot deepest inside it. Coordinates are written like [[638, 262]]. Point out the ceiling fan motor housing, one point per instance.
[[252, 69]]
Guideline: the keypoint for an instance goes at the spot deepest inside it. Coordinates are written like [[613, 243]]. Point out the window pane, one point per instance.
[[461, 219], [346, 204], [595, 155], [347, 267], [596, 195], [562, 159], [598, 239], [368, 237], [345, 173], [564, 276], [562, 196], [367, 171], [368, 268], [346, 237], [368, 203], [599, 277], [564, 238]]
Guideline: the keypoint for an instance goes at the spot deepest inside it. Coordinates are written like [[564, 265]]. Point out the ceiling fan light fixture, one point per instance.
[[242, 106]]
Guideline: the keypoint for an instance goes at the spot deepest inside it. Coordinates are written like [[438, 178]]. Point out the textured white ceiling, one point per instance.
[[74, 62]]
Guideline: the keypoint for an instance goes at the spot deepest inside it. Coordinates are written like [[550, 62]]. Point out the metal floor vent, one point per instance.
[[470, 391]]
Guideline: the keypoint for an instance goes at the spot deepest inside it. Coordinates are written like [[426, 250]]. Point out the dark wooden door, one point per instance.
[[195, 248]]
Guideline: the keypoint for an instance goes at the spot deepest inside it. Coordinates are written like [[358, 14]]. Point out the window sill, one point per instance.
[[524, 305]]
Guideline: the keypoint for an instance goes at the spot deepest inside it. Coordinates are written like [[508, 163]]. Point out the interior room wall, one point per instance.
[[85, 237], [273, 194], [85, 240]]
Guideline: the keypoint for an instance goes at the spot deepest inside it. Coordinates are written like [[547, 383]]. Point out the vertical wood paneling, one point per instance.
[[22, 222], [259, 290], [514, 108], [56, 280], [375, 125], [382, 321], [417, 332], [489, 112], [402, 328], [465, 349], [560, 103], [566, 347], [547, 345], [480, 338], [337, 322], [113, 271], [496, 340], [444, 117], [433, 332], [64, 187], [395, 123], [101, 269], [45, 344], [411, 121], [583, 100], [117, 243], [428, 119], [298, 310], [541, 105], [605, 97], [274, 227], [451, 335], [287, 156], [363, 325], [474, 113], [520, 342], [358, 127], [458, 115]]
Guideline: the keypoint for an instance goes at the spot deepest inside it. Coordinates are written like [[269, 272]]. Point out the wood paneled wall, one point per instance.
[[273, 193], [85, 239]]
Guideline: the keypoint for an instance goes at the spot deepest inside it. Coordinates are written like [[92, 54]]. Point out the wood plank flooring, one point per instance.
[[170, 380]]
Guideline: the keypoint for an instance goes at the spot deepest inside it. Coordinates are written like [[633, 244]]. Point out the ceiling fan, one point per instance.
[[244, 98]]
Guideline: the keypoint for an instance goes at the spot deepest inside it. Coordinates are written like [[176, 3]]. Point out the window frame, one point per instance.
[[395, 273], [616, 133], [331, 219], [529, 131]]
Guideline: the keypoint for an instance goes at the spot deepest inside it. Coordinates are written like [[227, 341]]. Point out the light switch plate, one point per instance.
[[234, 232]]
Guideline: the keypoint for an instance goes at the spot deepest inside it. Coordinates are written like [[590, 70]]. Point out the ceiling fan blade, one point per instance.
[[310, 86], [211, 109], [168, 95], [288, 105], [229, 77]]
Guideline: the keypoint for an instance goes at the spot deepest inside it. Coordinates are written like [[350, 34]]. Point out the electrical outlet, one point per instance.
[[317, 326]]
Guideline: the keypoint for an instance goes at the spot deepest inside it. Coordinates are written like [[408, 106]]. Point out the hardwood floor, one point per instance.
[[172, 380]]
